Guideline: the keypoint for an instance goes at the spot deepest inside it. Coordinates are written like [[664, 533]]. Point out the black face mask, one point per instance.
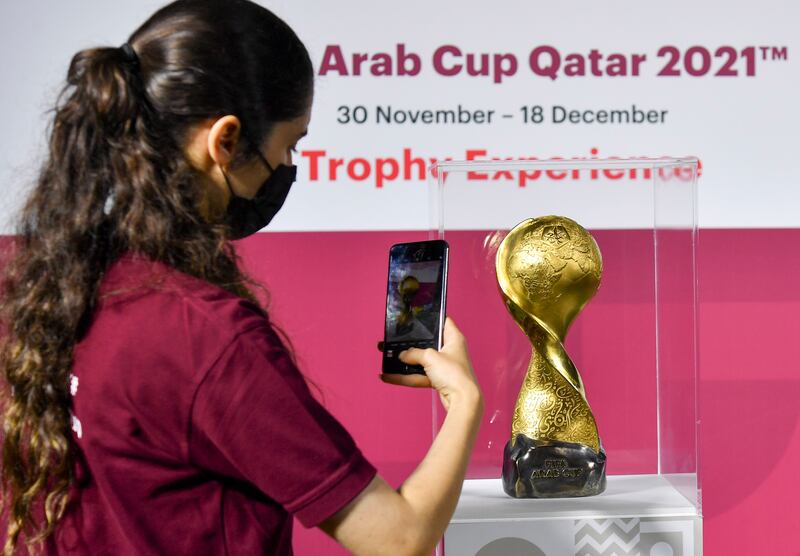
[[247, 216]]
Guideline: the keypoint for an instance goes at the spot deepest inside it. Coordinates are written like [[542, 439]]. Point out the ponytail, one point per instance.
[[64, 247]]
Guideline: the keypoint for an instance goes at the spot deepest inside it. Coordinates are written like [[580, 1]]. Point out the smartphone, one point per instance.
[[415, 301]]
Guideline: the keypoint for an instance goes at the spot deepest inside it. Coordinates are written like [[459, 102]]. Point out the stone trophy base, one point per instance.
[[551, 469]]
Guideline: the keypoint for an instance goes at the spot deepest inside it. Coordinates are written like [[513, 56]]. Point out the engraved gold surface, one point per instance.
[[548, 268]]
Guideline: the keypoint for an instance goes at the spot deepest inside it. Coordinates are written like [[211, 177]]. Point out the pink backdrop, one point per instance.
[[328, 293]]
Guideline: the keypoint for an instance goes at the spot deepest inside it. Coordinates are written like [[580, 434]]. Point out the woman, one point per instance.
[[150, 406]]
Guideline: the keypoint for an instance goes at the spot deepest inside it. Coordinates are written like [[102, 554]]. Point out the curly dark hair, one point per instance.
[[117, 181]]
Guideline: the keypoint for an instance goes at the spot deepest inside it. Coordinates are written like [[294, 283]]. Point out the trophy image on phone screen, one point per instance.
[[548, 268]]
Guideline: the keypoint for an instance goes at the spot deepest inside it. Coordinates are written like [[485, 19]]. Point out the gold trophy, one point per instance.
[[548, 268]]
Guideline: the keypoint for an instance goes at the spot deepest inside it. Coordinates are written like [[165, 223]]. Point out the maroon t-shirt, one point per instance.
[[196, 432]]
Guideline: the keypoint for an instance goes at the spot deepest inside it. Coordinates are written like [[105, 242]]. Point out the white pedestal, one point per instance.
[[637, 514]]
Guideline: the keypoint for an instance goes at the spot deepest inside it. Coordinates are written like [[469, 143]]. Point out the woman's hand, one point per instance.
[[449, 370], [413, 518]]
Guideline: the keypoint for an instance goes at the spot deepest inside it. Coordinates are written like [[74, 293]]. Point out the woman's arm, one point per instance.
[[413, 519]]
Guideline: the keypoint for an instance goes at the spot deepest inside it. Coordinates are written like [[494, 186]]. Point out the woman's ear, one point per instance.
[[222, 140]]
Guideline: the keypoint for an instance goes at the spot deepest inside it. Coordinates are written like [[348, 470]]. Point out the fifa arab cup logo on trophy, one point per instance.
[[548, 268]]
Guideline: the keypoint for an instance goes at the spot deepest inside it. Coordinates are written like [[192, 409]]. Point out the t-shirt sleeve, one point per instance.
[[254, 419]]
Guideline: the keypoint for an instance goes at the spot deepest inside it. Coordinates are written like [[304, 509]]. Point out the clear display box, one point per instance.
[[634, 344]]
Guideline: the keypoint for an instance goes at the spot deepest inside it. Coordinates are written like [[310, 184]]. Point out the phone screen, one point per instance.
[[414, 303]]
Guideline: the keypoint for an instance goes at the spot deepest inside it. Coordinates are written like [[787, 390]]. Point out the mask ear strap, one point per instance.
[[227, 182], [265, 161]]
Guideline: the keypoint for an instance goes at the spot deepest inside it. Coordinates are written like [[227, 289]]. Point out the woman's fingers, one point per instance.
[[414, 381], [451, 331], [451, 334], [417, 356]]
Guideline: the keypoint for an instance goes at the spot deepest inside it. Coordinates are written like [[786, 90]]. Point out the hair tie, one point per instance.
[[130, 55]]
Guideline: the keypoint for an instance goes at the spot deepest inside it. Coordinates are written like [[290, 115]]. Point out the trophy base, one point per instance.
[[552, 469]]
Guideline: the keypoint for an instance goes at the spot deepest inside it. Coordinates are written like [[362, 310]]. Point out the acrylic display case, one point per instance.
[[634, 344]]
